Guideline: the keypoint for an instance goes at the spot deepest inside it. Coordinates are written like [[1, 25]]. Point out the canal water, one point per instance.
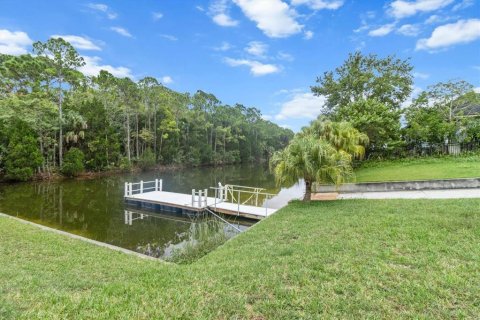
[[94, 208]]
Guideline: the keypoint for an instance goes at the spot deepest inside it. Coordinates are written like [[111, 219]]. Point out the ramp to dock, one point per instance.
[[228, 199]]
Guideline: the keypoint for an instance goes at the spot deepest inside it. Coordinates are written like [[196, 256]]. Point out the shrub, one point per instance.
[[22, 156], [73, 162], [147, 160]]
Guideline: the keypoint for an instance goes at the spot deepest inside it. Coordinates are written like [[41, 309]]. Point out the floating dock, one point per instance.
[[232, 200]]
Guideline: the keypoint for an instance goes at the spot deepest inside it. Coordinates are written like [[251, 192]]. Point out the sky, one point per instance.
[[261, 53]]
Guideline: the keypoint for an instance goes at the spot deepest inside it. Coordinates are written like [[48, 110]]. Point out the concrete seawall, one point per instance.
[[440, 184]]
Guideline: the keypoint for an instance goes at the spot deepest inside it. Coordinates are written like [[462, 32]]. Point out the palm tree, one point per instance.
[[342, 135], [312, 159]]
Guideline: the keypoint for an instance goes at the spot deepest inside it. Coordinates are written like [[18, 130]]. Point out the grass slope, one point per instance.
[[345, 259], [419, 169]]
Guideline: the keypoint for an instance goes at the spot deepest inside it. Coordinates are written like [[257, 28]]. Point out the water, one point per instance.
[[94, 208]]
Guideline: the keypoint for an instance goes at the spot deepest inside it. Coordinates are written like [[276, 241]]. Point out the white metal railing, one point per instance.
[[199, 197], [241, 195], [143, 186]]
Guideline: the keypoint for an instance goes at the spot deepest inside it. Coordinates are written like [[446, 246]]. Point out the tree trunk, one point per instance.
[[136, 140], [128, 137], [155, 131], [308, 190], [60, 122]]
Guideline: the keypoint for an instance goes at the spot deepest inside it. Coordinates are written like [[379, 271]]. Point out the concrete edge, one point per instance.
[[405, 185], [77, 237], [410, 181]]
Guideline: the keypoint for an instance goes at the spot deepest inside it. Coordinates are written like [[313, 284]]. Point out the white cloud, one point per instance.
[[224, 20], [122, 31], [301, 106], [256, 68], [382, 30], [14, 42], [157, 15], [433, 19], [308, 35], [79, 42], [274, 17], [257, 49], [462, 31], [103, 8], [421, 75], [477, 89], [463, 5], [169, 37], [409, 30], [166, 80], [219, 11], [225, 46], [285, 56], [401, 8], [93, 66], [319, 4]]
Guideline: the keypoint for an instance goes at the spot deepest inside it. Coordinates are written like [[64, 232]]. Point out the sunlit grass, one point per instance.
[[419, 169], [343, 259]]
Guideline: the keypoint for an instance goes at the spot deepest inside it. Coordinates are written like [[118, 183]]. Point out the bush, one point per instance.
[[73, 162], [147, 160], [22, 156]]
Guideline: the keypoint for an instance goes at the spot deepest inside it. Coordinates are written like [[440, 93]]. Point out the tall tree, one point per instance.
[[368, 91], [63, 59], [361, 77]]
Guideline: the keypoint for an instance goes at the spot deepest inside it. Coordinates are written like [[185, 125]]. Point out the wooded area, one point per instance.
[[53, 118]]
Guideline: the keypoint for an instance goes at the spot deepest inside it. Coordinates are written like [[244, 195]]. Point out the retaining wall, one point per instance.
[[401, 185]]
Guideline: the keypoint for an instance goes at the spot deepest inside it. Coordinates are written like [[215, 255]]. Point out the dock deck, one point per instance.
[[157, 199]]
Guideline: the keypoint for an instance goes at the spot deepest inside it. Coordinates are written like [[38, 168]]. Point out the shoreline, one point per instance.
[[87, 175]]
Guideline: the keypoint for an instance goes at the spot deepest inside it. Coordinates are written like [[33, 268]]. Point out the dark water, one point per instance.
[[95, 209]]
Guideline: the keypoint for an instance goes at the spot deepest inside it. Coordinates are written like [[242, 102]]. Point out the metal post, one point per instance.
[[221, 191], [161, 185], [238, 199], [193, 197], [141, 186], [130, 187], [126, 189], [225, 194], [156, 184], [266, 206], [206, 197], [126, 217]]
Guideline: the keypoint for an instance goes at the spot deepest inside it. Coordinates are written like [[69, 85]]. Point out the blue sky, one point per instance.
[[261, 53]]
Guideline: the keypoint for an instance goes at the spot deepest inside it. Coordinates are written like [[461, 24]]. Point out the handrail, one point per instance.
[[129, 190], [243, 191], [245, 187]]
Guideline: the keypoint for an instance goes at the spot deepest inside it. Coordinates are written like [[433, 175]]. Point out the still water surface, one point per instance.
[[94, 208]]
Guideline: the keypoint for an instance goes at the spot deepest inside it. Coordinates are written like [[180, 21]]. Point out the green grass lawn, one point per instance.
[[343, 259], [419, 169]]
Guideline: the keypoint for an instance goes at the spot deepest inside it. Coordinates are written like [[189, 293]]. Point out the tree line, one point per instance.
[[55, 119], [373, 94]]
